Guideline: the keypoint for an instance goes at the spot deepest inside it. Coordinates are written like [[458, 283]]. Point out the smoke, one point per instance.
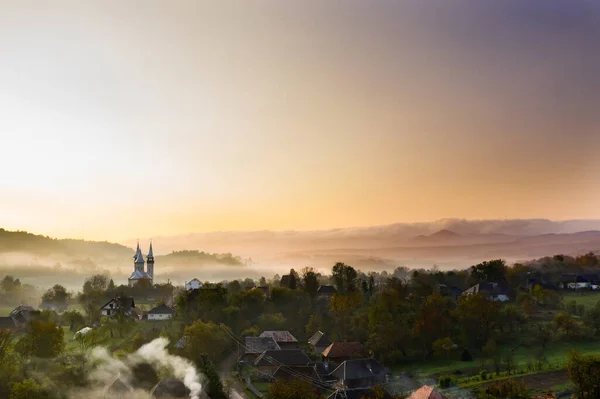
[[156, 354], [107, 368]]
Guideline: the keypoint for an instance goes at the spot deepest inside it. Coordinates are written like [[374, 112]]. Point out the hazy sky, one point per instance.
[[138, 118]]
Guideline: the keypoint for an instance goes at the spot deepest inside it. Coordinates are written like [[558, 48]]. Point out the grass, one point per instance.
[[586, 298], [5, 310]]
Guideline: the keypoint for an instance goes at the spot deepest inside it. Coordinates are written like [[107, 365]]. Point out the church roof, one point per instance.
[[139, 275], [150, 252], [139, 257]]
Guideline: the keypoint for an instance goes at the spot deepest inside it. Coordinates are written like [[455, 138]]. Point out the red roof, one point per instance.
[[426, 392], [344, 349]]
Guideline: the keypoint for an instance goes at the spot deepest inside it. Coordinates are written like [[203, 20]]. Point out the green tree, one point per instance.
[[27, 389], [583, 372], [344, 277], [507, 389], [342, 308], [271, 321], [207, 339], [565, 322], [73, 319], [213, 386], [434, 321], [111, 286], [58, 296], [43, 339], [488, 271], [310, 283], [293, 389], [476, 316], [294, 279]]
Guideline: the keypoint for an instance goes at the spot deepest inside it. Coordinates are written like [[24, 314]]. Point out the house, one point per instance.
[[319, 342], [118, 389], [338, 352], [426, 392], [7, 323], [116, 305], [22, 315], [254, 346], [496, 292], [360, 373], [269, 362], [573, 281], [160, 312], [284, 339], [193, 284], [326, 291]]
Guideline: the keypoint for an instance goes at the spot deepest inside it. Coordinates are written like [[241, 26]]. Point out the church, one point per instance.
[[138, 267]]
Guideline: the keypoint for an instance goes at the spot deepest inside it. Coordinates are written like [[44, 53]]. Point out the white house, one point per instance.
[[193, 284], [494, 291], [112, 307], [161, 312]]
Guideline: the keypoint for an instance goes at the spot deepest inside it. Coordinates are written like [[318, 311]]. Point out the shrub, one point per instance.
[[446, 381], [483, 375]]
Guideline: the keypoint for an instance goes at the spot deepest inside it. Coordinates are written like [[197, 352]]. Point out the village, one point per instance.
[[346, 336]]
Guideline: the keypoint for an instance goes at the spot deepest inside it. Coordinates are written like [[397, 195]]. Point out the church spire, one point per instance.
[[137, 250], [150, 253]]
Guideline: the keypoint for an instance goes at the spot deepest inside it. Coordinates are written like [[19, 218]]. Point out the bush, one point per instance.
[[446, 381], [483, 375]]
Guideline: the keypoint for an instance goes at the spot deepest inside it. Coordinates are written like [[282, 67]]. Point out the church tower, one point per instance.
[[150, 259], [138, 259]]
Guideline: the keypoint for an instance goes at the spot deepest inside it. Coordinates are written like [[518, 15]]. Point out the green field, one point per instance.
[[585, 298]]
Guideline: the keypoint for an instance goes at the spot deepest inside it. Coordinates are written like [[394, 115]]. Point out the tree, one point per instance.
[[74, 319], [476, 316], [310, 282], [583, 372], [271, 321], [214, 386], [27, 389], [57, 295], [434, 321], [43, 339], [95, 284], [111, 286], [262, 281], [293, 389], [592, 318], [488, 271], [564, 321], [9, 284], [208, 339], [344, 277], [294, 278], [508, 389], [343, 307]]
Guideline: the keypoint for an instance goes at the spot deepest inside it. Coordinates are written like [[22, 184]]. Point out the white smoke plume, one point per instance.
[[155, 353], [107, 368]]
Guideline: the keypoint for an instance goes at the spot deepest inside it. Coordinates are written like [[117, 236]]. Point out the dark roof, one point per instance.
[[426, 392], [319, 339], [326, 289], [260, 344], [119, 386], [294, 372], [358, 393], [344, 349], [279, 336], [490, 288], [161, 309], [292, 357], [7, 323], [324, 370], [129, 302], [358, 369], [23, 310], [579, 278], [170, 388]]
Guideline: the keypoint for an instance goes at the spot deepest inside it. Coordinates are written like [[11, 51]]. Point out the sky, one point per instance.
[[123, 119]]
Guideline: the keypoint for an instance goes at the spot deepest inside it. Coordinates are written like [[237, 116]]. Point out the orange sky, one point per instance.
[[141, 118]]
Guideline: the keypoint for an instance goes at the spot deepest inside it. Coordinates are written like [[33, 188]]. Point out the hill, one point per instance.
[[24, 242], [198, 258]]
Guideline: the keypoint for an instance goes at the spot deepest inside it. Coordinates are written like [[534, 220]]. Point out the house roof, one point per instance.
[[293, 372], [326, 289], [119, 385], [319, 339], [161, 309], [426, 392], [129, 303], [579, 278], [344, 349], [356, 369], [7, 323], [293, 357], [195, 279], [490, 288], [139, 275], [260, 344], [22, 309], [279, 336], [324, 370]]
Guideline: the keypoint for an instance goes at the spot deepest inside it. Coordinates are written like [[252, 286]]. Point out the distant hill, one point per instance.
[[444, 234], [24, 242], [198, 258]]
